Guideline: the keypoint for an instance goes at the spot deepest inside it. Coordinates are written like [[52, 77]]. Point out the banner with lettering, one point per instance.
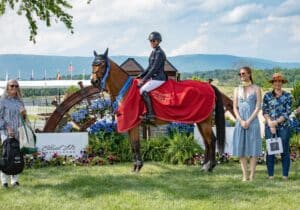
[[69, 144]]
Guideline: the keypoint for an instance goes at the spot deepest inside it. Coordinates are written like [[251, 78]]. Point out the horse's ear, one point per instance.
[[106, 53], [95, 53]]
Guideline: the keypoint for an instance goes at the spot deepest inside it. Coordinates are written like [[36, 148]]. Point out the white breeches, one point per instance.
[[151, 85]]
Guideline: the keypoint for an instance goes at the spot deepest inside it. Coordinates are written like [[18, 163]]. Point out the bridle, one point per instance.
[[102, 83]]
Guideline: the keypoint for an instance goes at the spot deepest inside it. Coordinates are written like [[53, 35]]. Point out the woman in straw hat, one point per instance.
[[276, 110]]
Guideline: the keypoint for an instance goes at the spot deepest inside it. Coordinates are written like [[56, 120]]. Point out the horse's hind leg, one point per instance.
[[206, 155], [205, 129], [206, 162], [134, 136], [213, 151]]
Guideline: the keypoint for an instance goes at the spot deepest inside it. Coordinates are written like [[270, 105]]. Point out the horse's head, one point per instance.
[[99, 67]]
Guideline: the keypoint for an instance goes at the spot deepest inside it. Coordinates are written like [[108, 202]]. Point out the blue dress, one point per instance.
[[247, 142]]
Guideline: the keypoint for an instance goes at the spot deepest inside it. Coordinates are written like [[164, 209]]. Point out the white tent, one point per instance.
[[48, 83]]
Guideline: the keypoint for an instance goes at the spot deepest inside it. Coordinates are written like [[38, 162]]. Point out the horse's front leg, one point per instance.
[[134, 136]]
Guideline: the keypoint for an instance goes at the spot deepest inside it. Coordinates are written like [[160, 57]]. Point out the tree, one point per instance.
[[260, 78], [197, 78], [296, 94], [45, 10], [72, 89]]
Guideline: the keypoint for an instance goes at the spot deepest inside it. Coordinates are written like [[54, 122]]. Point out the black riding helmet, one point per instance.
[[155, 36]]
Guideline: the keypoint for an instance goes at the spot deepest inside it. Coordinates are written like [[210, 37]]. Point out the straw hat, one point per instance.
[[278, 77]]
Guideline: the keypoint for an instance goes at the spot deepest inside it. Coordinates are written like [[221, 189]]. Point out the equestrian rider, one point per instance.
[[154, 76]]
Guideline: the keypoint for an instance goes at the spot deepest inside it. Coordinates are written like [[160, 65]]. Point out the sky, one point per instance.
[[268, 29]]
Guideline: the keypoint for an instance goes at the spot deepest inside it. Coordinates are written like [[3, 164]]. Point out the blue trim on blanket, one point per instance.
[[122, 92]]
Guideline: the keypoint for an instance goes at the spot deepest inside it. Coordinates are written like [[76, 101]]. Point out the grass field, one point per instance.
[[158, 186]]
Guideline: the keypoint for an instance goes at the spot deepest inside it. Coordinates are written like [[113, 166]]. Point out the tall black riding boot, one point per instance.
[[149, 116]]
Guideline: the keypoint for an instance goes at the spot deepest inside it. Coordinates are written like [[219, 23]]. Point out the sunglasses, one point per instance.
[[242, 74], [14, 86], [153, 40]]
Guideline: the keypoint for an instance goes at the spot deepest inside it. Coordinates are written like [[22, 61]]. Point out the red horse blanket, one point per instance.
[[186, 101]]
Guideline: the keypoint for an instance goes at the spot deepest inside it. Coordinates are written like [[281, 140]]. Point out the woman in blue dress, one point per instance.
[[247, 142]]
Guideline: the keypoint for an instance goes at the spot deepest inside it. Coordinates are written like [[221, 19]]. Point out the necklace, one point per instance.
[[246, 84]]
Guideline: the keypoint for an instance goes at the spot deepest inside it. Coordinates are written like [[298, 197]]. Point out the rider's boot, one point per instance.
[[149, 116]]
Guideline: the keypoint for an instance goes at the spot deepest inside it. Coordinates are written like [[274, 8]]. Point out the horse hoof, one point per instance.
[[139, 167], [210, 169], [134, 168], [213, 166], [206, 167], [139, 164]]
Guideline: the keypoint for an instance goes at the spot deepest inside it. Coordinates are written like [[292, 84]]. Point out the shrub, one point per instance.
[[98, 161], [105, 144], [71, 89], [182, 148], [295, 140], [296, 93], [155, 148], [229, 122]]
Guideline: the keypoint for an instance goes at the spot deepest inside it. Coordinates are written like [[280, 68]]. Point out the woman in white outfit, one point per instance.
[[11, 109]]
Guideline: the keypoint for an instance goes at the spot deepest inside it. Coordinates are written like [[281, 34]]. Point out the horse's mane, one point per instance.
[[120, 68]]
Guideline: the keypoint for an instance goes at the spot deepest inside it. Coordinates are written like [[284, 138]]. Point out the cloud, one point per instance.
[[288, 8], [12, 38], [244, 13], [262, 38], [197, 45], [118, 11], [294, 30], [258, 28], [215, 5]]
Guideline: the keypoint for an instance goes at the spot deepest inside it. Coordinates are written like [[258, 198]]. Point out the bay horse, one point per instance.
[[107, 75]]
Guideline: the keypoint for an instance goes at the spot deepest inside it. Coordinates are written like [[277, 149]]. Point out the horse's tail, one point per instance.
[[219, 120]]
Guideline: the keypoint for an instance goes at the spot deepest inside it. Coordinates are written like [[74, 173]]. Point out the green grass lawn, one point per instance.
[[158, 186]]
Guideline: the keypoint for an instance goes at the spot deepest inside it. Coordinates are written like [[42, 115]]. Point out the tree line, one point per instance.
[[230, 77]]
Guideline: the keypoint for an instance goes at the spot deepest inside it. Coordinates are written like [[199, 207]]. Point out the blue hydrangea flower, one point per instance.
[[67, 128], [79, 115], [180, 127], [105, 125], [100, 104]]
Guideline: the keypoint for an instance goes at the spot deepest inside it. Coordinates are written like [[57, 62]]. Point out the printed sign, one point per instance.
[[69, 144]]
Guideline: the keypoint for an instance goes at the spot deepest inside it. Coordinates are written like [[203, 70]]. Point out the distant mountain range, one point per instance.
[[39, 64]]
